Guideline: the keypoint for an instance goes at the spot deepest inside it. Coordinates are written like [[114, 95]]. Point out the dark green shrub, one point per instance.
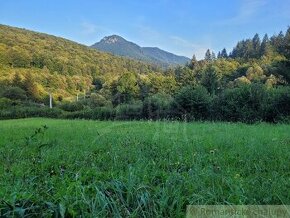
[[278, 105], [25, 112], [84, 114], [5, 103], [100, 113], [14, 93], [103, 113], [72, 106], [157, 106], [129, 111], [245, 104], [97, 100], [192, 103]]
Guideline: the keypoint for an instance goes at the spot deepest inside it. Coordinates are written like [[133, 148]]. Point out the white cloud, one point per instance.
[[88, 28], [182, 42], [189, 48], [148, 34]]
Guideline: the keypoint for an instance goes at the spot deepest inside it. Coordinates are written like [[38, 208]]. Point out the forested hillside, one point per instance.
[[249, 84], [254, 60], [57, 65]]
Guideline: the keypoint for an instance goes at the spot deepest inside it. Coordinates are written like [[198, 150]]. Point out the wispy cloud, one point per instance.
[[88, 28], [247, 10], [182, 42], [148, 33], [148, 36], [90, 33], [189, 48]]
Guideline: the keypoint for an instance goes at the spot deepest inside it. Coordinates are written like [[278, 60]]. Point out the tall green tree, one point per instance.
[[287, 43], [213, 56], [266, 49], [224, 53], [210, 80], [185, 76], [256, 46], [126, 88], [278, 42], [192, 103], [208, 56], [31, 87], [193, 62]]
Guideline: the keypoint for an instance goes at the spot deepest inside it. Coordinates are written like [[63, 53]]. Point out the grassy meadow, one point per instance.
[[139, 169]]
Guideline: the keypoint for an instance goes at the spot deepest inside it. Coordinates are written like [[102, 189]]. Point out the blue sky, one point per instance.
[[184, 27]]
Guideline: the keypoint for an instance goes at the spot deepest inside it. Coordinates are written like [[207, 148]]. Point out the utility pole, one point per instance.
[[77, 96], [50, 100]]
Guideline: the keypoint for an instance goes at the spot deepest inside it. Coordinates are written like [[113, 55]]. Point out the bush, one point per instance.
[[129, 111], [100, 113], [26, 112], [192, 104], [5, 103], [157, 106], [97, 100], [84, 114], [245, 104], [278, 105], [72, 106], [103, 113], [14, 93]]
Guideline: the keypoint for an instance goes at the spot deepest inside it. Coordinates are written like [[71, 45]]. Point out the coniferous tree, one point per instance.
[[213, 56], [239, 51], [248, 49], [265, 46], [224, 53], [278, 42], [210, 80], [193, 62], [208, 56], [245, 49], [287, 43], [256, 46]]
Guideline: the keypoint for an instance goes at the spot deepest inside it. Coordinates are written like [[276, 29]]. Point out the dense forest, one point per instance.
[[248, 84], [57, 65]]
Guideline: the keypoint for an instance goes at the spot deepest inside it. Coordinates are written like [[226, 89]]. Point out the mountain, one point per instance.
[[119, 46]]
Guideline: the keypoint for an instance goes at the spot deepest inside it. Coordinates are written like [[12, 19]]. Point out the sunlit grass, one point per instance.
[[97, 169]]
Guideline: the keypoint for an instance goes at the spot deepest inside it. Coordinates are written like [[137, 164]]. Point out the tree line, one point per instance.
[[248, 84]]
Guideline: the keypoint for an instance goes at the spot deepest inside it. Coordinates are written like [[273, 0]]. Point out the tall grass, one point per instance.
[[138, 169]]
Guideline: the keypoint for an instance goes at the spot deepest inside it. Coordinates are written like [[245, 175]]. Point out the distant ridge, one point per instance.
[[119, 46]]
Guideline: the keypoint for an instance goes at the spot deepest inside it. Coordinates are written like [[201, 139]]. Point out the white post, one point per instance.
[[50, 100], [77, 96]]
